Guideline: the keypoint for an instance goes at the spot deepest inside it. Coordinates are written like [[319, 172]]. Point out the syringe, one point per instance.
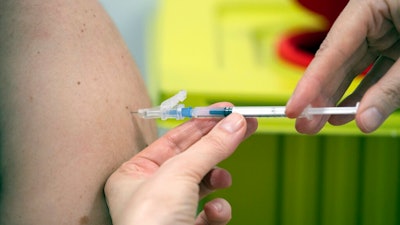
[[179, 112]]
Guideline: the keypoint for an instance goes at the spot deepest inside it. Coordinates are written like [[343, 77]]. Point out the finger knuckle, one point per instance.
[[392, 95], [172, 144], [216, 142]]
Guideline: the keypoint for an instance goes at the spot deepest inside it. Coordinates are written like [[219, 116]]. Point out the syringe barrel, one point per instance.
[[179, 112], [246, 111], [199, 112], [260, 111]]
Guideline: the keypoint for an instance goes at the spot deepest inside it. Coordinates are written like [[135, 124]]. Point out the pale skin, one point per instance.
[[163, 183], [68, 88], [68, 85], [366, 31]]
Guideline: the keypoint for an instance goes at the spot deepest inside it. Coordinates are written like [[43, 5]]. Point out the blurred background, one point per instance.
[[252, 52], [132, 18]]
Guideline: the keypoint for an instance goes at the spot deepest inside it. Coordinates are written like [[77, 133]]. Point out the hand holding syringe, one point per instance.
[[172, 109]]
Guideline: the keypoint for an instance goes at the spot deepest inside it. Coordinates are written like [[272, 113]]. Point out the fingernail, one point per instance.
[[371, 119], [232, 123]]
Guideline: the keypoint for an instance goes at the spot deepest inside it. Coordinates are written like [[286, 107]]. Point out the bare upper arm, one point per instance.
[[68, 86]]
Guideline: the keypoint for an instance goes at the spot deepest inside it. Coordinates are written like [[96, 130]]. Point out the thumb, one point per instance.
[[214, 147], [380, 101]]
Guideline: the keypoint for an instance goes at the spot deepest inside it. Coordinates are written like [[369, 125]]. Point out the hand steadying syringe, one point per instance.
[[171, 108]]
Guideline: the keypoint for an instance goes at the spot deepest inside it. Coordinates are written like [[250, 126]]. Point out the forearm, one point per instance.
[[68, 86]]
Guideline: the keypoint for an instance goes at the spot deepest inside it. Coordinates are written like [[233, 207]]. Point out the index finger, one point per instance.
[[339, 55], [174, 142]]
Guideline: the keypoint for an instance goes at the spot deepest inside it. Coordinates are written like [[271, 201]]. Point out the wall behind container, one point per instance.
[[132, 17]]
